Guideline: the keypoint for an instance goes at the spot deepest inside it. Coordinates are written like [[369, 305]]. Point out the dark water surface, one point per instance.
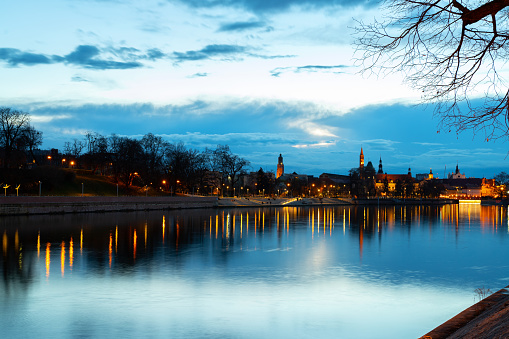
[[320, 272]]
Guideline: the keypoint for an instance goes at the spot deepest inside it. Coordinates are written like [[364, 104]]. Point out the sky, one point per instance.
[[264, 77]]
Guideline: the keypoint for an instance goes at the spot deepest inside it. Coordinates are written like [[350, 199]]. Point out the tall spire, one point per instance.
[[361, 160], [380, 168]]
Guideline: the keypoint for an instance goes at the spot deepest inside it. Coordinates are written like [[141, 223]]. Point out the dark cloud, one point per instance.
[[241, 26], [86, 56], [210, 51], [15, 57], [155, 54], [276, 72], [264, 6]]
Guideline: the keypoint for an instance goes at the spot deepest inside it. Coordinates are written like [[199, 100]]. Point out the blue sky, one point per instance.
[[264, 77]]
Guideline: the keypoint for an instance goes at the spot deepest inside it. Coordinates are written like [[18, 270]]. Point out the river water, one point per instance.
[[288, 272]]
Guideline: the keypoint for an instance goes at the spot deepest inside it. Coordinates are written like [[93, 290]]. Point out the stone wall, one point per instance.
[[54, 205]]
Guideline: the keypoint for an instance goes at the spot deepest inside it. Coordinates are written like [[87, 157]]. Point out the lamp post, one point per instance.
[[40, 184]]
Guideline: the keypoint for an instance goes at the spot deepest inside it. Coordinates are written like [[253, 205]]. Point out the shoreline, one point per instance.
[[32, 205]]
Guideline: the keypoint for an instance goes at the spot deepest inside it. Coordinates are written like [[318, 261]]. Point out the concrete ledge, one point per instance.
[[55, 205], [486, 319]]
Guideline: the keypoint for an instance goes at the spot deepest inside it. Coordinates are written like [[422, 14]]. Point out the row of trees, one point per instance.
[[153, 161]]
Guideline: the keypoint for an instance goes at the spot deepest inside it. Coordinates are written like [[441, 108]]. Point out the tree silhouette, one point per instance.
[[12, 123], [451, 51]]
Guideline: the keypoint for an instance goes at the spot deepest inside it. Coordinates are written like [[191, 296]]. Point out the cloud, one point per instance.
[[428, 143], [312, 128], [266, 6], [49, 118], [15, 57], [86, 56], [316, 145], [79, 78], [199, 75], [209, 51], [241, 26], [276, 72]]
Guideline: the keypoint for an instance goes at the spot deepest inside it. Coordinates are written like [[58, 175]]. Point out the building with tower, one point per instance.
[[456, 174], [280, 166], [361, 161]]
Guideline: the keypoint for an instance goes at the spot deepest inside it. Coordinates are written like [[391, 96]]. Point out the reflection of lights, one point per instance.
[[178, 236], [71, 253], [164, 226], [135, 239], [47, 259], [38, 243], [81, 242], [110, 248], [16, 241], [62, 257], [4, 242]]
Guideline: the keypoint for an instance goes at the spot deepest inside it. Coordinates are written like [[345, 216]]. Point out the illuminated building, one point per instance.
[[361, 161], [280, 166]]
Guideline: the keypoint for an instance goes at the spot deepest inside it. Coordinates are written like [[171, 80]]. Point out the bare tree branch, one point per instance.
[[451, 51]]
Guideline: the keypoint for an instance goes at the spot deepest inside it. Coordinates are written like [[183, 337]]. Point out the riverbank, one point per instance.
[[28, 205], [59, 205], [489, 318]]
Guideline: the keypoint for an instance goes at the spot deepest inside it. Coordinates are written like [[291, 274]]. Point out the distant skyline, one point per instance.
[[264, 77]]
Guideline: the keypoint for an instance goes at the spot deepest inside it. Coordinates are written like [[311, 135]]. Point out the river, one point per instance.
[[286, 272]]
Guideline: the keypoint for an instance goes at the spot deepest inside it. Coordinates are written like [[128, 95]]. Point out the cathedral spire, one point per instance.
[[380, 168], [361, 160]]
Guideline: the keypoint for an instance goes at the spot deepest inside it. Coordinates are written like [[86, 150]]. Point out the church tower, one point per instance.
[[380, 168], [280, 166], [361, 161]]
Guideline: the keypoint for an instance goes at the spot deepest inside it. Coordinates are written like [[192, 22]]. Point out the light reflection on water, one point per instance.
[[332, 272]]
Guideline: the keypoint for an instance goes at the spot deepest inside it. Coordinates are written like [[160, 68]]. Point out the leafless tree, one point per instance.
[[31, 139], [75, 148], [154, 148], [12, 123], [230, 165], [452, 51]]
